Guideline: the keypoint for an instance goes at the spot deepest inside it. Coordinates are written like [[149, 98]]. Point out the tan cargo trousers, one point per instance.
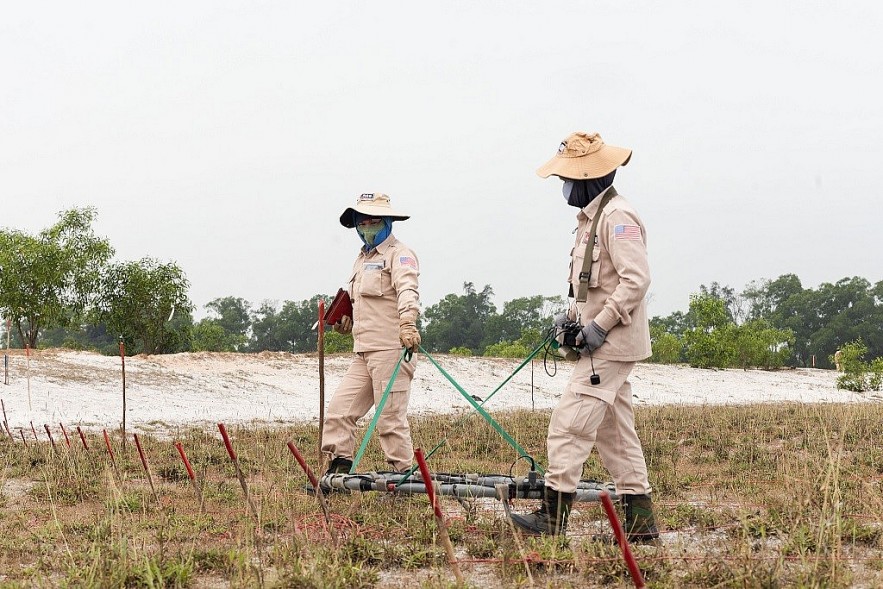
[[362, 388], [602, 416]]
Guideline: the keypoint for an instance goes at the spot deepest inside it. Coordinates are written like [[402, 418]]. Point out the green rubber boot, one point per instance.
[[550, 518], [640, 524]]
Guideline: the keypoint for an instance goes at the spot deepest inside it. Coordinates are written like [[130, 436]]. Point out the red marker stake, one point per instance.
[[83, 438], [320, 496], [439, 518], [22, 432], [239, 475], [146, 467], [34, 431], [49, 433], [113, 459], [635, 572], [251, 505], [67, 440], [192, 476]]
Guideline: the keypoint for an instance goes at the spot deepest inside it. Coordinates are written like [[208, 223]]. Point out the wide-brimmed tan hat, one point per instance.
[[583, 156], [373, 204]]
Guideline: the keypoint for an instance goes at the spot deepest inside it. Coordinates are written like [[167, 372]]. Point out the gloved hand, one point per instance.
[[591, 337], [408, 334], [345, 325]]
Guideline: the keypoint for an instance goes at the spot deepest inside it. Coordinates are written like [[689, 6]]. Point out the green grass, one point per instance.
[[752, 496]]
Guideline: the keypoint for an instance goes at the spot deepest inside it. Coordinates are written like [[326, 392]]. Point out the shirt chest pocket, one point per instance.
[[374, 281], [576, 265]]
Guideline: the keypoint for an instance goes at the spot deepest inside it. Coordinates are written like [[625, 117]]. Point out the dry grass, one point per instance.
[[751, 496]]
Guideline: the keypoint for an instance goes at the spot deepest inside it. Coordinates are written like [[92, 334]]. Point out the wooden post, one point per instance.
[[123, 361], [321, 348], [28, 373]]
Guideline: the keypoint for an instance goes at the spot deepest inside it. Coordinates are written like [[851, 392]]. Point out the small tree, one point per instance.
[[759, 345], [50, 280], [140, 300], [858, 375], [709, 343]]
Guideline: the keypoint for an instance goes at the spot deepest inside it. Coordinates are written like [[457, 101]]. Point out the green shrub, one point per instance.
[[337, 343], [859, 376], [460, 351], [666, 346]]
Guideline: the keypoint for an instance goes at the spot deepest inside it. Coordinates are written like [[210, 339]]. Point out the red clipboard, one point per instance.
[[340, 307]]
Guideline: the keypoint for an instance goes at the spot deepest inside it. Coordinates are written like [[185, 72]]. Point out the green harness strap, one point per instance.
[[377, 413], [509, 439], [429, 454]]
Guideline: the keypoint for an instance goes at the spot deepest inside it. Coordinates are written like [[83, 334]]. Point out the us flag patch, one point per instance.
[[627, 232], [408, 261]]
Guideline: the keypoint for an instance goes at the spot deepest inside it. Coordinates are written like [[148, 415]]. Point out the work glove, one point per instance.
[[345, 325], [591, 337], [408, 334]]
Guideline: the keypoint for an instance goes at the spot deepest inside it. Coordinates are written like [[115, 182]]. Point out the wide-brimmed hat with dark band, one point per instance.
[[372, 204], [583, 156]]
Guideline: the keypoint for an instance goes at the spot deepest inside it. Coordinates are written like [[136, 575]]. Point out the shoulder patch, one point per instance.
[[627, 232], [408, 261]]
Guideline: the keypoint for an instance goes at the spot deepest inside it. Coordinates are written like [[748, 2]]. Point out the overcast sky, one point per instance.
[[229, 136]]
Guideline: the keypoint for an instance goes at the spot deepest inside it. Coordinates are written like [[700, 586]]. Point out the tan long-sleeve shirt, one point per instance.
[[384, 291], [620, 278]]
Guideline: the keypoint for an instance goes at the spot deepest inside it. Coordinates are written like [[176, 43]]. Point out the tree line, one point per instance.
[[59, 288]]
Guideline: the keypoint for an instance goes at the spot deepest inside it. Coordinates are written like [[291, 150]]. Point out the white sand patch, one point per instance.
[[198, 389]]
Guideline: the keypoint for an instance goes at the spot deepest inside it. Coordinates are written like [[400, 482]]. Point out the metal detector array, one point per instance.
[[461, 486]]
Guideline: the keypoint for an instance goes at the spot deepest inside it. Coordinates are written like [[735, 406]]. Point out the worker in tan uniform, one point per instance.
[[386, 303], [607, 324]]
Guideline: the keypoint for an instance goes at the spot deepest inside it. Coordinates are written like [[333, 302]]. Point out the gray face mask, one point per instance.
[[566, 189]]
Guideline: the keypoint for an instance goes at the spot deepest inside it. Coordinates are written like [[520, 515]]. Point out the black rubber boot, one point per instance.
[[550, 518], [640, 524], [339, 466]]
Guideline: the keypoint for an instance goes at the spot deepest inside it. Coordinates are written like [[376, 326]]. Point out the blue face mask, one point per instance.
[[374, 234]]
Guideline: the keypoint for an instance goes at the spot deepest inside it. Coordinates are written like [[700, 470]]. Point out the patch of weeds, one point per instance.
[[554, 553], [481, 546], [801, 540], [218, 560], [327, 573], [755, 526], [362, 550], [173, 473], [152, 573], [823, 573], [600, 562], [686, 515], [416, 557], [734, 573], [222, 492], [862, 534], [126, 502]]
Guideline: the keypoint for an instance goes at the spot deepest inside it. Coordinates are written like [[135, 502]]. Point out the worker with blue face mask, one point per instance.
[[383, 288]]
